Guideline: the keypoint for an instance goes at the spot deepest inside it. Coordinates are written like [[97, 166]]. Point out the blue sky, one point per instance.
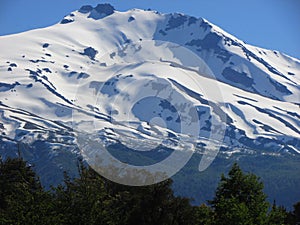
[[273, 24]]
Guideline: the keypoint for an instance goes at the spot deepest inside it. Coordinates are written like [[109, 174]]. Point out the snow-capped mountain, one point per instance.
[[143, 79]]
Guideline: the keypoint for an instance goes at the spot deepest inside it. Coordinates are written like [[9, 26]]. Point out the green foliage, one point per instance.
[[240, 199], [83, 200], [92, 199], [204, 215], [277, 215], [296, 212], [294, 217], [22, 198]]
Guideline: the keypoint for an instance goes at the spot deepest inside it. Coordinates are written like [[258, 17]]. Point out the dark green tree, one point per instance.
[[293, 218], [203, 215], [155, 204], [84, 200], [239, 199], [296, 212], [22, 198], [92, 199], [277, 215]]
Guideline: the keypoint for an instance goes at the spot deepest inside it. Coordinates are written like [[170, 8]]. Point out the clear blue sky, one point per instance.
[[273, 24]]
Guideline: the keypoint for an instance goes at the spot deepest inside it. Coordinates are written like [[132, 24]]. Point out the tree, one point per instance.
[[155, 204], [203, 215], [92, 199], [293, 217], [296, 212], [240, 199], [84, 200], [277, 215], [22, 198]]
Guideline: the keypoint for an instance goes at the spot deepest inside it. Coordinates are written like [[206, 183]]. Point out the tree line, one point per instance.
[[91, 199]]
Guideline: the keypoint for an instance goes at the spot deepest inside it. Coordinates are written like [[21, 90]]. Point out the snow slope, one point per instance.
[[145, 79]]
